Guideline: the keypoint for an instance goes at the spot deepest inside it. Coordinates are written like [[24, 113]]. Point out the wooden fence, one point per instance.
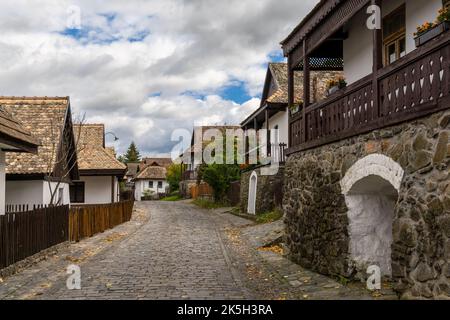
[[27, 233], [87, 221], [234, 193], [202, 190]]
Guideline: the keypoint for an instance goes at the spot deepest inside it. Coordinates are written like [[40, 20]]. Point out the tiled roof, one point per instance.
[[91, 152], [90, 134], [45, 118], [280, 76], [97, 158], [132, 169], [162, 162], [12, 129], [153, 173]]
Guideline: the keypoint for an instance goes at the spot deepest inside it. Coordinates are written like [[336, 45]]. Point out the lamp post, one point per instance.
[[113, 134]]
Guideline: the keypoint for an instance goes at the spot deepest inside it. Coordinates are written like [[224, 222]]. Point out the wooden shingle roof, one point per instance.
[[92, 155], [14, 135], [46, 118], [153, 173]]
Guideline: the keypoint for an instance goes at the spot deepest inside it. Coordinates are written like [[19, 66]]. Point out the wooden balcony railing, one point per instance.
[[189, 175], [412, 87]]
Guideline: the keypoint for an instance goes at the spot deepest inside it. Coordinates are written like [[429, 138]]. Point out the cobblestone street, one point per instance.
[[175, 251]]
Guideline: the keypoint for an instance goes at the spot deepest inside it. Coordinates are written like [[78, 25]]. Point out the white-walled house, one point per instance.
[[13, 138], [273, 113], [404, 16], [100, 171], [151, 181], [44, 177]]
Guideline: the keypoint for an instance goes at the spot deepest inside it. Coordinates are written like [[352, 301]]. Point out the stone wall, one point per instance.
[[268, 189], [317, 222]]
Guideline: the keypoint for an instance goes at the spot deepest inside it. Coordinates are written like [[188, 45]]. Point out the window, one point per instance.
[[160, 184], [394, 35], [150, 184], [77, 192]]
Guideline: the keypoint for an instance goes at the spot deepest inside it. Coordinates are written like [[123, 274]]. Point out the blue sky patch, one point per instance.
[[236, 92]]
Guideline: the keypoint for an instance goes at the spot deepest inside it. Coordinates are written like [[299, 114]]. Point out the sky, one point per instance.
[[145, 67]]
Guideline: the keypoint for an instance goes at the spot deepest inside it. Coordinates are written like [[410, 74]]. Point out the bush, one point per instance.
[[273, 216]]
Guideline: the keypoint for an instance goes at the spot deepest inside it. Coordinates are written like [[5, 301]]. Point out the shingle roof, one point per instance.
[[132, 169], [162, 162], [45, 118], [153, 173], [280, 76], [12, 131], [91, 152]]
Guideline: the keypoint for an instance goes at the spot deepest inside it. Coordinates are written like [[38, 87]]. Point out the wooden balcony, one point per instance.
[[189, 175], [412, 87]]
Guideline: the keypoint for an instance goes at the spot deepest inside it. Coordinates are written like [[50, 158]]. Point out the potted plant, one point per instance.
[[334, 85], [294, 108], [431, 30]]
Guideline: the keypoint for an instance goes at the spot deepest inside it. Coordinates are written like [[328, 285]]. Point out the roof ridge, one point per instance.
[[35, 97]]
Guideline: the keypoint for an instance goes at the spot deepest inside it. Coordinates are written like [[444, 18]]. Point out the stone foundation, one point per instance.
[[268, 194], [317, 215]]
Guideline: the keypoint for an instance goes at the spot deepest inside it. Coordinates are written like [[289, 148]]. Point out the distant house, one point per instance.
[[13, 138], [132, 171], [189, 163], [150, 182], [162, 162], [273, 113], [100, 171], [263, 195], [44, 177]]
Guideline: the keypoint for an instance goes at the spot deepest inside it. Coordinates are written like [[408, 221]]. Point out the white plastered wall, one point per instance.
[[35, 192], [358, 46], [2, 182], [371, 188], [98, 189]]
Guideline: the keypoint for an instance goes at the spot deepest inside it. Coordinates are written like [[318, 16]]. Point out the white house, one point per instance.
[[100, 171], [44, 177], [150, 182], [273, 113], [13, 138]]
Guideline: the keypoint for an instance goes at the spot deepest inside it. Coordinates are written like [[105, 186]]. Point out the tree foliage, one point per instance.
[[174, 177], [132, 154]]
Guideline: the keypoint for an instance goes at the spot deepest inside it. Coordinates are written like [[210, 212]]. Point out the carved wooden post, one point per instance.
[[266, 114], [306, 89], [290, 96], [377, 63]]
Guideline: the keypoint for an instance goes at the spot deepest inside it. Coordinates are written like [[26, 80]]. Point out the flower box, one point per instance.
[[333, 90], [432, 33], [294, 109]]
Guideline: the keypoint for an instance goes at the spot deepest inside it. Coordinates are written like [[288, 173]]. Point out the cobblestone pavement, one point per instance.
[[175, 251]]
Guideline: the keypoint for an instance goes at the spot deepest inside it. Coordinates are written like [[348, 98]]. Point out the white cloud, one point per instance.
[[198, 46]]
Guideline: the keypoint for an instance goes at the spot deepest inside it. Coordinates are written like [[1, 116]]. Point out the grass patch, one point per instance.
[[172, 198], [269, 217], [208, 204]]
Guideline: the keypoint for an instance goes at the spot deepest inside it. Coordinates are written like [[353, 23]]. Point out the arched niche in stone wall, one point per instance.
[[371, 187], [252, 192]]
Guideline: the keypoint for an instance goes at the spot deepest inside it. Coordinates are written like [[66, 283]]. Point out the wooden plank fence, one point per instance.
[[89, 220], [27, 233], [202, 191]]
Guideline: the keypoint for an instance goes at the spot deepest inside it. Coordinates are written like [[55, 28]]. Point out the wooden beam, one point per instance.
[[291, 94], [306, 89], [377, 63], [267, 131]]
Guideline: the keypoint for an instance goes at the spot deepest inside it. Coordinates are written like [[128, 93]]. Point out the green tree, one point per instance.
[[132, 154], [220, 176], [174, 177]]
